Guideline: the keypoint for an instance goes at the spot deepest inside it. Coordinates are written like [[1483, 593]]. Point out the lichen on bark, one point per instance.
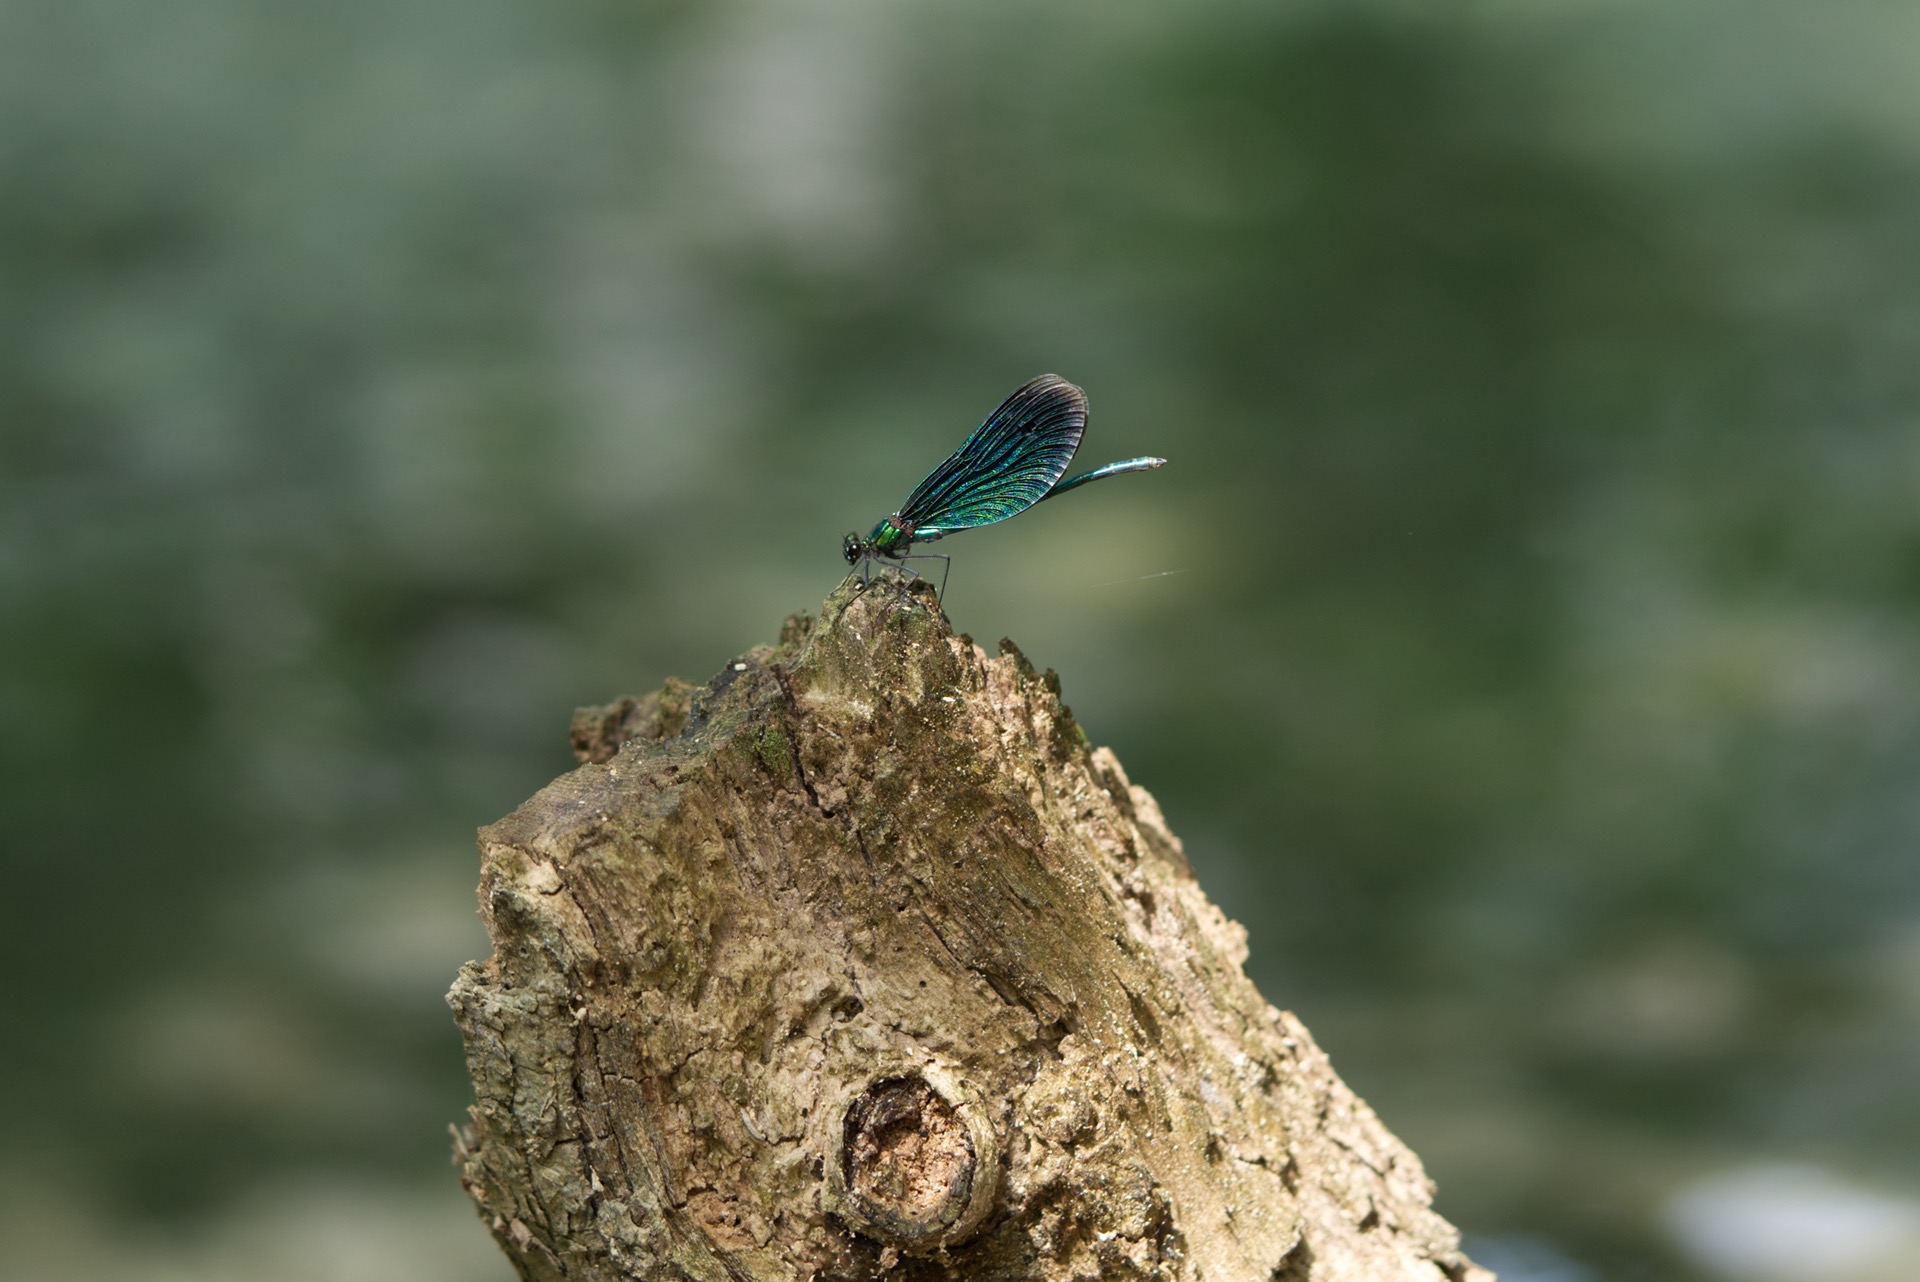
[[860, 962]]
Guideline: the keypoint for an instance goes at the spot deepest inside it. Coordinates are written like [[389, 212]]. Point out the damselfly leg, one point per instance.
[[900, 563]]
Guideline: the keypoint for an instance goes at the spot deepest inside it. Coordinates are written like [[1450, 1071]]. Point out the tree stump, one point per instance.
[[858, 963]]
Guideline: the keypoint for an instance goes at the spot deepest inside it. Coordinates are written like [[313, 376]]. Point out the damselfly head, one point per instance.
[[851, 548]]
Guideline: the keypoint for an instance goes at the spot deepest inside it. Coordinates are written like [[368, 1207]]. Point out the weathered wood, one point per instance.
[[860, 962]]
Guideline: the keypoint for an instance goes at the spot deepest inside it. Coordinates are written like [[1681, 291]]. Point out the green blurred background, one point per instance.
[[1525, 636]]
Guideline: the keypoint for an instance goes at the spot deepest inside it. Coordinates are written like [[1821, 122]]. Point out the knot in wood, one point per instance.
[[918, 1162]]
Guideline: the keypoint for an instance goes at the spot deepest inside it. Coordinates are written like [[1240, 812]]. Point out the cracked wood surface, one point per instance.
[[859, 962]]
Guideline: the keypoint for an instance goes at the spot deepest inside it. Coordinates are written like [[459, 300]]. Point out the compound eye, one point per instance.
[[850, 548]]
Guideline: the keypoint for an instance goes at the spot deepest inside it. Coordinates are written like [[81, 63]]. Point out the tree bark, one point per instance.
[[860, 962]]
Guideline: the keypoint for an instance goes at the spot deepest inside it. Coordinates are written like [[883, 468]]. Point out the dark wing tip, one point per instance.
[[1045, 403], [1043, 382]]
